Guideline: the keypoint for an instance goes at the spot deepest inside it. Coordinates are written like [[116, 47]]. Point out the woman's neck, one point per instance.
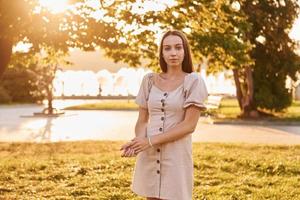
[[173, 73]]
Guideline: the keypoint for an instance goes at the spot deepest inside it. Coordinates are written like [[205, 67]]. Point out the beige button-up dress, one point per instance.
[[166, 171]]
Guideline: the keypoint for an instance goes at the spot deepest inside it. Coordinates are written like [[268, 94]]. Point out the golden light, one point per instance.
[[22, 47], [295, 32], [55, 6]]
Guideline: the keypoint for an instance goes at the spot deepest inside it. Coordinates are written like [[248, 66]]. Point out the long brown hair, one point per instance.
[[187, 64]]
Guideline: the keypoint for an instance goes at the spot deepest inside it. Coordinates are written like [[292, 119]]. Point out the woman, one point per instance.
[[169, 108]]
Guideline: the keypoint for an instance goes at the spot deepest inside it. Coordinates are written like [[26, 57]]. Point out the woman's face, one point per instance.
[[173, 51]]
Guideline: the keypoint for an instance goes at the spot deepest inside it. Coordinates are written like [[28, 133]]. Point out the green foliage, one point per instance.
[[229, 37], [24, 20], [4, 96], [46, 65], [273, 50], [214, 28], [30, 75], [20, 21], [217, 30], [19, 83]]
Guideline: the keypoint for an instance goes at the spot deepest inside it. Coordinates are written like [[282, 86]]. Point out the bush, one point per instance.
[[20, 84], [4, 96]]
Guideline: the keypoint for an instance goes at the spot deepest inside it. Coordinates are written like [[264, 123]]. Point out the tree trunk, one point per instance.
[[50, 99], [249, 81], [245, 97], [6, 46], [239, 93]]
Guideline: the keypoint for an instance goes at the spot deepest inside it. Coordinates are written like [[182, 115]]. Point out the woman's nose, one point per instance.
[[173, 52]]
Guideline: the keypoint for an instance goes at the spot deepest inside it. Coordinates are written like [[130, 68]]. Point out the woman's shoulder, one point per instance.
[[193, 76], [148, 76], [194, 79]]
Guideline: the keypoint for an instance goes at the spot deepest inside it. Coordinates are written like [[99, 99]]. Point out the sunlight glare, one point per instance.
[[22, 47], [295, 32], [55, 6]]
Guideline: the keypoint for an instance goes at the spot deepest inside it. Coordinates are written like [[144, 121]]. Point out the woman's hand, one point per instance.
[[139, 144], [128, 152], [136, 145]]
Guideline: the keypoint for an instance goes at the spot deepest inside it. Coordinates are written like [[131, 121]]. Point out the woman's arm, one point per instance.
[[185, 127], [141, 123], [140, 131]]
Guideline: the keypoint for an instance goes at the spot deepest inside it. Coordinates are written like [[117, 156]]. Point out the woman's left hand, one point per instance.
[[138, 144]]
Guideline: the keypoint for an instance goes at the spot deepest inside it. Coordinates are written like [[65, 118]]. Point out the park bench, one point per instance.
[[213, 102]]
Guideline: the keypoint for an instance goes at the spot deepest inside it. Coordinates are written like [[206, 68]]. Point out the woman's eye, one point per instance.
[[167, 49], [178, 48]]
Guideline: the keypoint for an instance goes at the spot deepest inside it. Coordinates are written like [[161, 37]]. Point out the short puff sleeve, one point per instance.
[[142, 96], [196, 91]]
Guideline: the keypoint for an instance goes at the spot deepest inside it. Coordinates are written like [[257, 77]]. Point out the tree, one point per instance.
[[19, 84], [47, 65], [217, 31], [25, 20], [19, 22], [228, 33], [273, 53]]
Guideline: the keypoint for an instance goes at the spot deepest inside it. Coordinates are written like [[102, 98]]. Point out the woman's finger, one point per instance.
[[137, 149], [126, 152], [123, 153], [129, 152], [136, 144], [125, 146], [132, 152]]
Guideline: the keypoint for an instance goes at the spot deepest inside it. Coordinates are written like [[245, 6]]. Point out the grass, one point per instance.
[[229, 109], [95, 170]]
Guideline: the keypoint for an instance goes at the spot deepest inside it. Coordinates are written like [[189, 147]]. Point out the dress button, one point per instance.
[[162, 118], [163, 104], [157, 171], [160, 129], [158, 150], [162, 110], [157, 161], [165, 94], [162, 100]]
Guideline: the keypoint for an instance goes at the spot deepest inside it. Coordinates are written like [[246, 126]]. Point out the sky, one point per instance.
[[92, 60]]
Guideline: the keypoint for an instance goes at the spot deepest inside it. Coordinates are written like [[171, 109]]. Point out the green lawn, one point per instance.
[[95, 170], [229, 109]]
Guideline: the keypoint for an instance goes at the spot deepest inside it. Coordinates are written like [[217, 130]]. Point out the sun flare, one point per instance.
[[55, 6]]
